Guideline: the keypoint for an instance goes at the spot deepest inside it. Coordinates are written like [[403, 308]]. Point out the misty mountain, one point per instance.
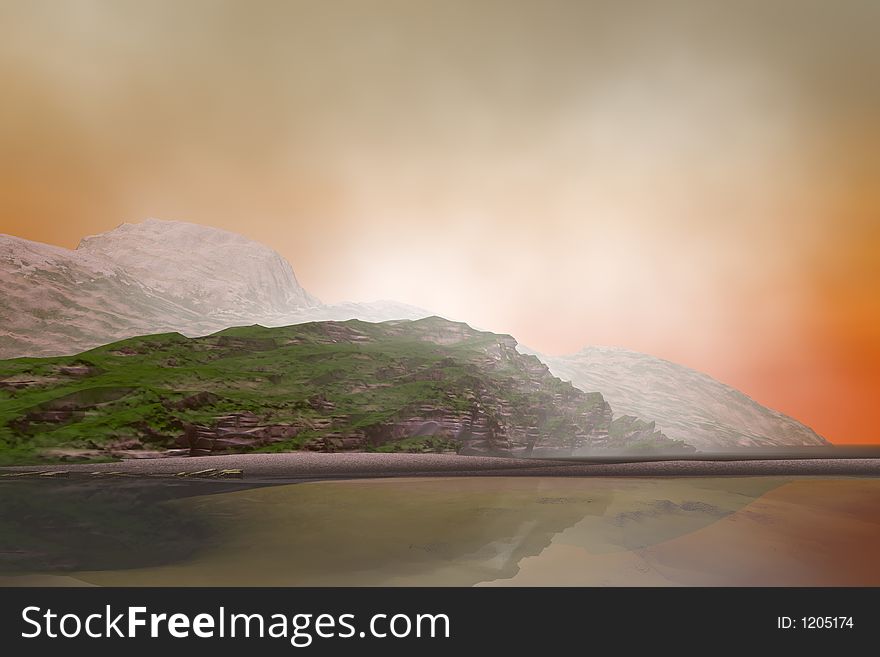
[[687, 405], [209, 271], [152, 277]]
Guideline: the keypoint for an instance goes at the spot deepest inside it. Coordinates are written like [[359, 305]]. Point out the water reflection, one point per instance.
[[66, 525], [454, 531]]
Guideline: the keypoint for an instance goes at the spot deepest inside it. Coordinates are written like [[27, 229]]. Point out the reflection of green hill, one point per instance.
[[455, 531], [305, 531], [426, 385]]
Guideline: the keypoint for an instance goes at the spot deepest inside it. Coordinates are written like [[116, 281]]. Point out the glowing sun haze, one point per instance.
[[696, 180]]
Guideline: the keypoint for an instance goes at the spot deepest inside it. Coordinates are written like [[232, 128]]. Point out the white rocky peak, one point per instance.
[[206, 269], [152, 277]]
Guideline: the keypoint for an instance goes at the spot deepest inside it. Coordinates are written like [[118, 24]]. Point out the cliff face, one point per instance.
[[426, 385]]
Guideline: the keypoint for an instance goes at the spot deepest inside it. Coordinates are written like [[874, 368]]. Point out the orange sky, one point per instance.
[[697, 180]]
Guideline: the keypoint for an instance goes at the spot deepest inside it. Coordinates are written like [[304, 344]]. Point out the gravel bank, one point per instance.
[[309, 465]]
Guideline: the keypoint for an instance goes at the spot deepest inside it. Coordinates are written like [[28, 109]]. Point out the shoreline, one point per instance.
[[299, 466]]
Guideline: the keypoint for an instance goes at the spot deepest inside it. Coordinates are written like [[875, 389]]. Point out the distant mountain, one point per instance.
[[686, 404], [55, 301], [155, 276], [209, 271], [429, 385]]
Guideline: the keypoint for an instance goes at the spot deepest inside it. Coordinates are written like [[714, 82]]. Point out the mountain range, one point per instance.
[[164, 276]]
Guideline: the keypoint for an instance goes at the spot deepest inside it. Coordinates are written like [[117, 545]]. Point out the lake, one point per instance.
[[460, 531]]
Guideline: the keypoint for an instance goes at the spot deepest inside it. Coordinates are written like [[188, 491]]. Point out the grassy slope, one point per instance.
[[371, 372]]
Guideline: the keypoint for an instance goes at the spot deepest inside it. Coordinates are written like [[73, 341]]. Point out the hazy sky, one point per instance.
[[698, 180]]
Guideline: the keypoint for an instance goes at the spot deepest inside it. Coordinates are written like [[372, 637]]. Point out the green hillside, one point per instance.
[[426, 385]]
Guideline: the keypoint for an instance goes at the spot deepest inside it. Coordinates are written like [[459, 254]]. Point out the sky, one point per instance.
[[697, 180]]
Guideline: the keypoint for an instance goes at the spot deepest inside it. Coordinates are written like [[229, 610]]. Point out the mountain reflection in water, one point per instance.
[[459, 531]]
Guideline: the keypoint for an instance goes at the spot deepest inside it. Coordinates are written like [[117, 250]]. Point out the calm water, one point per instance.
[[444, 531]]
